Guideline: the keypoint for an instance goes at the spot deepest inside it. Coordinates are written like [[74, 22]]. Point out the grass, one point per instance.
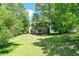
[[59, 46], [25, 46], [43, 45]]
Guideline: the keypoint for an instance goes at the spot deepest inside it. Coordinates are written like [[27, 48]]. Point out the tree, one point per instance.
[[64, 20], [23, 15], [43, 21], [51, 15], [13, 22], [6, 21], [12, 7]]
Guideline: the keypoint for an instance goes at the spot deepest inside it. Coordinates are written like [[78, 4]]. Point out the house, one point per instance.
[[74, 30], [36, 31], [45, 30]]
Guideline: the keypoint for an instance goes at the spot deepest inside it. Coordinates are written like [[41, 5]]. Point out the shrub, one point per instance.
[[5, 35], [6, 21]]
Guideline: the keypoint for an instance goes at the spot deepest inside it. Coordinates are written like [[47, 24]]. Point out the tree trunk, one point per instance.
[[48, 30]]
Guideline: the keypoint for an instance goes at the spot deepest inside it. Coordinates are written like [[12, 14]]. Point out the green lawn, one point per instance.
[[33, 45], [23, 46]]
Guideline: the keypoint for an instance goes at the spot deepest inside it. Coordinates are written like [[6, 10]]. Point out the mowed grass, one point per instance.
[[41, 45], [23, 46]]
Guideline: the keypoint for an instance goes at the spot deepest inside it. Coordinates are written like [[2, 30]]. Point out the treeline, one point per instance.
[[13, 21], [61, 17]]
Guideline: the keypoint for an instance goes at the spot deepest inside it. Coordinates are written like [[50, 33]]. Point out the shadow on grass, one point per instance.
[[11, 46], [60, 46]]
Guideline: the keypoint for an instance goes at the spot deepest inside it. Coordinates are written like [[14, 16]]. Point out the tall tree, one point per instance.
[[43, 19], [64, 20], [61, 17], [23, 15]]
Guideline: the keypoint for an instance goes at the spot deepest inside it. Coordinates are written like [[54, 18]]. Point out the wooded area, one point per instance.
[[62, 18], [13, 21]]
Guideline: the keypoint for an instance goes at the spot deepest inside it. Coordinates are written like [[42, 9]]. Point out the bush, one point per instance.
[[6, 21], [5, 35]]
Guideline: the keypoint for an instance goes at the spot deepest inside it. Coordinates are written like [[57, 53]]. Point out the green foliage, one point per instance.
[[6, 17], [64, 20], [41, 18], [16, 29], [5, 35], [12, 22], [20, 14], [6, 21], [61, 17]]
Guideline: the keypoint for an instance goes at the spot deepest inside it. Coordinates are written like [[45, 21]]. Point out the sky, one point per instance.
[[30, 7]]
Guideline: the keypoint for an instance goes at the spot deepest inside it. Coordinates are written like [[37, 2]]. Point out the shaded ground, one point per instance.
[[33, 45], [59, 46], [8, 48]]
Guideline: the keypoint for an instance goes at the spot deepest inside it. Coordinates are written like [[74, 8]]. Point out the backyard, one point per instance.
[[40, 45], [39, 29]]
